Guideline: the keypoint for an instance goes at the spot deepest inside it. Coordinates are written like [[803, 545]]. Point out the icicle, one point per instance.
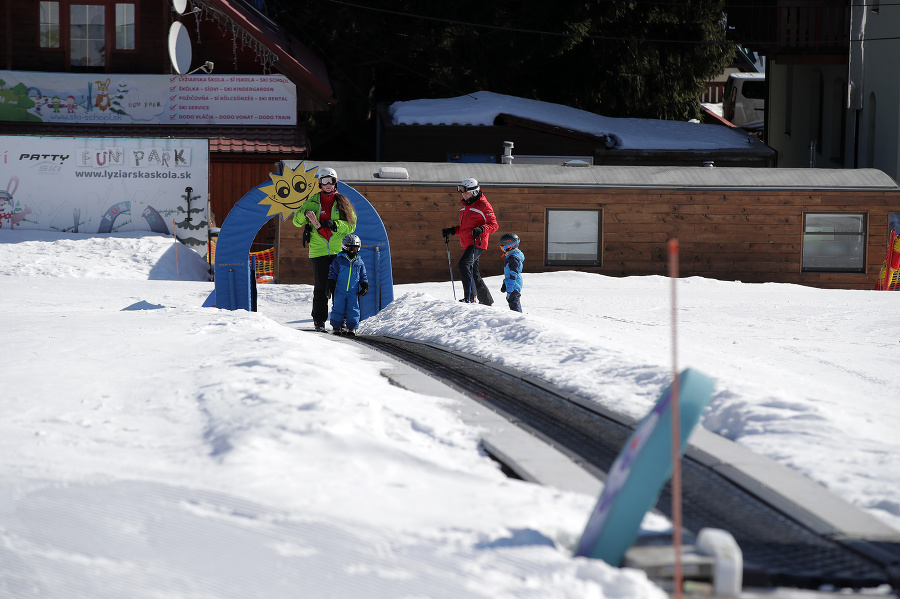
[[194, 7], [234, 37], [225, 24]]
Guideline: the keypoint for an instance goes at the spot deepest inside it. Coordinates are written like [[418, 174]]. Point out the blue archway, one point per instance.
[[233, 284]]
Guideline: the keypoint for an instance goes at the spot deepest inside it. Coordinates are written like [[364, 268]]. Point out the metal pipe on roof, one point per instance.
[[507, 157]]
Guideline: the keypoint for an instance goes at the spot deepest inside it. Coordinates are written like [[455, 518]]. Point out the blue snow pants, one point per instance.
[[346, 307]]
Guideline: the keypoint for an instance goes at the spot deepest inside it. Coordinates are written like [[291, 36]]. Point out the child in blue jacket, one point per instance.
[[347, 282], [512, 270]]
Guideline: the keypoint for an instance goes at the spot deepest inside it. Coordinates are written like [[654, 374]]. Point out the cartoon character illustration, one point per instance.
[[102, 100], [56, 103], [289, 190], [70, 104], [6, 203], [17, 217], [38, 103]]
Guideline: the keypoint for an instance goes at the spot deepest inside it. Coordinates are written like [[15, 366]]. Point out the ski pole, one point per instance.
[[450, 264]]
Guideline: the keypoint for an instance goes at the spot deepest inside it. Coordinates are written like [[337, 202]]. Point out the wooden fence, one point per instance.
[[714, 94]]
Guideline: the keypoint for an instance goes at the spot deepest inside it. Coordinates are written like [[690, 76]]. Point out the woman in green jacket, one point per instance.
[[325, 218]]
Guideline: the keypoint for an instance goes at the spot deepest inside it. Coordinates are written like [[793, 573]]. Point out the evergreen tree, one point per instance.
[[615, 58]]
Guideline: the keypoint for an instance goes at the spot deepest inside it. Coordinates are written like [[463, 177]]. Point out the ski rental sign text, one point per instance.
[[106, 185], [116, 98]]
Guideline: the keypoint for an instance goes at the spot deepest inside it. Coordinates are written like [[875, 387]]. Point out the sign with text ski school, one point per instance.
[[116, 98], [106, 185]]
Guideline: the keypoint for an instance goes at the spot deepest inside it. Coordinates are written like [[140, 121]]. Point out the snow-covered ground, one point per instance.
[[150, 447]]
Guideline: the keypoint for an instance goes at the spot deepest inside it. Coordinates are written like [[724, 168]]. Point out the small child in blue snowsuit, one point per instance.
[[512, 270], [347, 282]]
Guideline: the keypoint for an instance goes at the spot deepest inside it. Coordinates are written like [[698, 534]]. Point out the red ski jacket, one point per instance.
[[478, 214]]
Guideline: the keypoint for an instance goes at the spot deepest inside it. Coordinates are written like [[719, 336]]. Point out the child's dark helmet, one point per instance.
[[509, 242], [351, 245]]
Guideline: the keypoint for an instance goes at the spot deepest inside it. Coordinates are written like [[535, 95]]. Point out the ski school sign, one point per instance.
[[106, 185], [123, 99]]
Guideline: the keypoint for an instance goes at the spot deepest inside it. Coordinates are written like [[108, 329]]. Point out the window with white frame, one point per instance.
[[834, 242], [125, 26], [49, 24], [573, 237], [87, 30], [87, 35]]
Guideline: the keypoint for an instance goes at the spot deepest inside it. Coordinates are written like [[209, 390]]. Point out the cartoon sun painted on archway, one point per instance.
[[289, 190]]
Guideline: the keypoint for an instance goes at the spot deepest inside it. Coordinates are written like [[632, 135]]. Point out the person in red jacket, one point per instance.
[[476, 223]]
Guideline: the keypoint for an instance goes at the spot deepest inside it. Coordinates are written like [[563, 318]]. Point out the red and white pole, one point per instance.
[[676, 427]]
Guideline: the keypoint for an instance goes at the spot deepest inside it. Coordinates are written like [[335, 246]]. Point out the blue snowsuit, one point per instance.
[[512, 278], [348, 274]]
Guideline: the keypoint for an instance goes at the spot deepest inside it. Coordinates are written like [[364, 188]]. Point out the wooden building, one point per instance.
[[821, 228], [232, 34]]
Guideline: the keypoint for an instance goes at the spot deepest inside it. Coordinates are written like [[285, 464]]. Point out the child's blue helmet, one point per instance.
[[509, 242]]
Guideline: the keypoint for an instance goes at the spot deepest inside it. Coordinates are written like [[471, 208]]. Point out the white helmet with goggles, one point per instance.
[[469, 184], [327, 176]]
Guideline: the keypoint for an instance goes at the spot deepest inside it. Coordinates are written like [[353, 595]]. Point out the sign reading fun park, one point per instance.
[[115, 98], [106, 185]]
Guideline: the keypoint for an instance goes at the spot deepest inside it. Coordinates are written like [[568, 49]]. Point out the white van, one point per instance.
[[744, 103]]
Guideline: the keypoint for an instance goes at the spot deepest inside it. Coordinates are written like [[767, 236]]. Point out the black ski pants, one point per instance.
[[320, 266], [470, 276], [514, 299]]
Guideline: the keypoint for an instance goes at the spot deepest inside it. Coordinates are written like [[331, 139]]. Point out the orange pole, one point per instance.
[[676, 428]]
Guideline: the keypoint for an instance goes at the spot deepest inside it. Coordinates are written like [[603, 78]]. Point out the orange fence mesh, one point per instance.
[[265, 265], [265, 262]]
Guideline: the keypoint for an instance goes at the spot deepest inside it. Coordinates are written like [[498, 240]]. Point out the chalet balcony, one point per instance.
[[792, 30]]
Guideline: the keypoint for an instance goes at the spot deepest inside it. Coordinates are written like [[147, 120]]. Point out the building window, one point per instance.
[[573, 237], [88, 30], [87, 35], [834, 242], [124, 26], [49, 25]]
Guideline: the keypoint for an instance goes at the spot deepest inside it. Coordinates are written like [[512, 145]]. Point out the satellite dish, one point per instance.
[[180, 6], [179, 48]]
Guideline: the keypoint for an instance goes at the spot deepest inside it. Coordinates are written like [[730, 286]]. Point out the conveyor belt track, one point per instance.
[[777, 550]]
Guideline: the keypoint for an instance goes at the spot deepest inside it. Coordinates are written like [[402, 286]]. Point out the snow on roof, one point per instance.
[[748, 75], [481, 108], [611, 176]]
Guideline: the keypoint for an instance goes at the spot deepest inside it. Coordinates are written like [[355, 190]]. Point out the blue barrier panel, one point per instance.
[[641, 469]]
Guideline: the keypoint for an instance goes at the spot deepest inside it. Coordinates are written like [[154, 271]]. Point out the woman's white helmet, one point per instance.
[[327, 173], [469, 184]]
